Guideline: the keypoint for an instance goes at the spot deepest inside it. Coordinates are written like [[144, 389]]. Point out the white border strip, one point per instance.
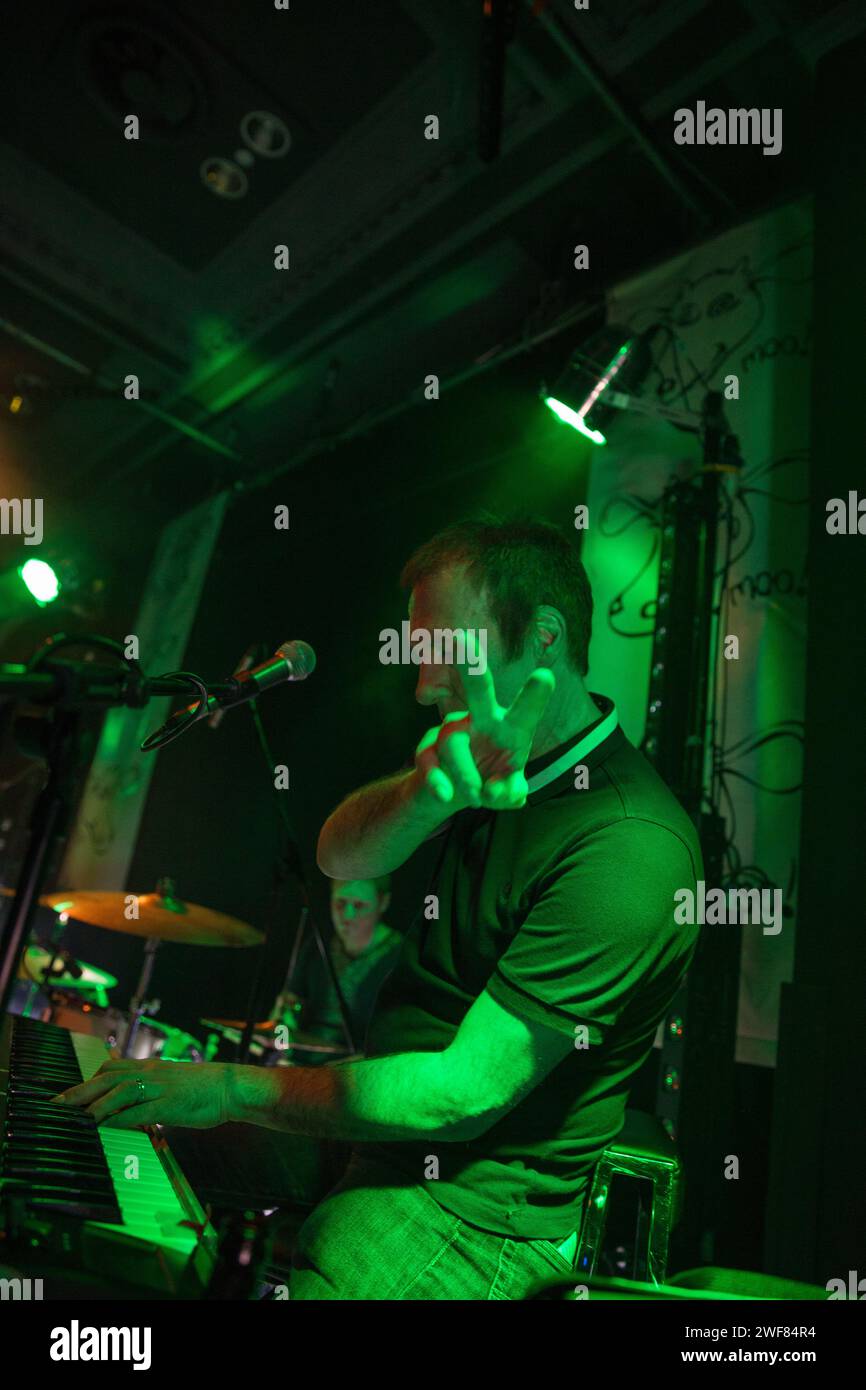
[[580, 749]]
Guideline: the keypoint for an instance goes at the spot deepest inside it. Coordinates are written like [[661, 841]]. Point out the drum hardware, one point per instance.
[[52, 980], [138, 1002], [56, 987], [169, 1044], [153, 1039], [231, 1030], [158, 917], [66, 974], [267, 1044], [77, 1016]]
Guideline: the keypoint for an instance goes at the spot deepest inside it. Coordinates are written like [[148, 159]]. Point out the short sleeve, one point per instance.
[[602, 923]]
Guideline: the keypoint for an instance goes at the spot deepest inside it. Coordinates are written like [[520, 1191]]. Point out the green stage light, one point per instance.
[[582, 394], [41, 581], [571, 417]]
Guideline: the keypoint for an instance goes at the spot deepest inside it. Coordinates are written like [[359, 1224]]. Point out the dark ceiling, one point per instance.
[[408, 256]]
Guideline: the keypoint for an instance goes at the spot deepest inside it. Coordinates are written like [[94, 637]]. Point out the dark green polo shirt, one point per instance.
[[564, 912]]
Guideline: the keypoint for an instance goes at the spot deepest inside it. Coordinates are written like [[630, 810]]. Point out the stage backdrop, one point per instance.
[[740, 304], [103, 839]]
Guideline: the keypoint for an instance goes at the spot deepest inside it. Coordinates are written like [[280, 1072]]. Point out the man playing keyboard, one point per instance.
[[529, 989]]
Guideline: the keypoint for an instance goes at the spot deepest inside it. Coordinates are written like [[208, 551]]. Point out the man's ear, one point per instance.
[[549, 629], [383, 903]]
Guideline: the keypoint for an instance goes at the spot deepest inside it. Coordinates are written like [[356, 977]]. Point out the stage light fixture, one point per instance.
[[578, 396], [40, 580]]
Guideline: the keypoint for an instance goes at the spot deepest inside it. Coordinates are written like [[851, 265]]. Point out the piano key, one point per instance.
[[122, 1184]]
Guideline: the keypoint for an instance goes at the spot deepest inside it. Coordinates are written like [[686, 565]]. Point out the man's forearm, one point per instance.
[[407, 1096], [378, 828]]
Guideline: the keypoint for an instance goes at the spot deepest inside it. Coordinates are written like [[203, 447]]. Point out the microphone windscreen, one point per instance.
[[300, 657]]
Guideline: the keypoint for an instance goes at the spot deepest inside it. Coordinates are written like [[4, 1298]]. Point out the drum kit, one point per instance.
[[54, 987]]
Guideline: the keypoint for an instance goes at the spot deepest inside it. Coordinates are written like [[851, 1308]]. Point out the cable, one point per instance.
[[163, 737], [769, 466], [612, 609], [779, 731], [762, 786], [642, 508], [86, 639]]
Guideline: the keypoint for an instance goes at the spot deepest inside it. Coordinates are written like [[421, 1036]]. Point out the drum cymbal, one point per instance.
[[43, 920], [239, 1024], [36, 960], [167, 919]]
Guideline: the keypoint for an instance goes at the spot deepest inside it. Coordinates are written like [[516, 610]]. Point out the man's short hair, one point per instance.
[[519, 565]]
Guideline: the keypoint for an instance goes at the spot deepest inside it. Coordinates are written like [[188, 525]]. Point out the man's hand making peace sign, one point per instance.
[[477, 757]]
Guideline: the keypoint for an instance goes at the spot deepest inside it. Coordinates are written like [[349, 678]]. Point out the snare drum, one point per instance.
[[161, 1040]]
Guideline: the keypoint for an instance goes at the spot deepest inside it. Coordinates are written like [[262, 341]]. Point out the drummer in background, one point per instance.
[[238, 1165], [363, 952]]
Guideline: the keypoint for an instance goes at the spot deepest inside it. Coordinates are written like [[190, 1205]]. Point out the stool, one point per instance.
[[642, 1149]]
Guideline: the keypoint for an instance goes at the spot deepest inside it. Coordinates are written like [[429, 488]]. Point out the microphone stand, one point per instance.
[[61, 744], [699, 1109], [60, 739], [63, 689], [290, 862]]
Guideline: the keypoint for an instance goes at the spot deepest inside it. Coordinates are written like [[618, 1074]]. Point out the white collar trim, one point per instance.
[[574, 754]]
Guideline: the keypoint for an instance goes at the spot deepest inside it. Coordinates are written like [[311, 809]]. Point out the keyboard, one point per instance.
[[109, 1202]]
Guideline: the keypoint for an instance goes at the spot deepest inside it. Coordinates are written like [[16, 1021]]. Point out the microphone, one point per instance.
[[244, 664], [293, 661]]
